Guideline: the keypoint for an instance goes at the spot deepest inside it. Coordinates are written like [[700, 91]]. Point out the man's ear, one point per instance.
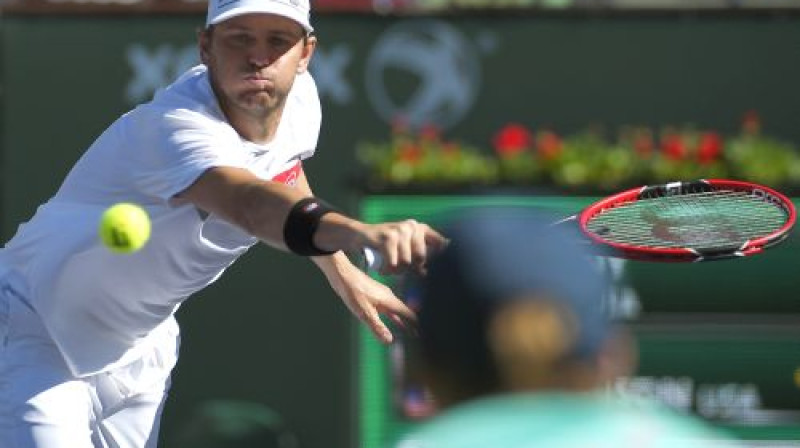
[[204, 44], [308, 52], [618, 357]]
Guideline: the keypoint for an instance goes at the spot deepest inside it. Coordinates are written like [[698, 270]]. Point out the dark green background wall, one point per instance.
[[270, 330]]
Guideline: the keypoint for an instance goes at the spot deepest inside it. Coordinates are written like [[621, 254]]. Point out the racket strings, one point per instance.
[[703, 220]]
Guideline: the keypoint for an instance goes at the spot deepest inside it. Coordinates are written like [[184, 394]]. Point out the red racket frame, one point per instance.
[[750, 247]]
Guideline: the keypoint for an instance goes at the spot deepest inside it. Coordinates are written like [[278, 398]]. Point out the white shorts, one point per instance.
[[43, 405]]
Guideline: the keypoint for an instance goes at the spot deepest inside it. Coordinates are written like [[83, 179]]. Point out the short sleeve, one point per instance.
[[176, 146]]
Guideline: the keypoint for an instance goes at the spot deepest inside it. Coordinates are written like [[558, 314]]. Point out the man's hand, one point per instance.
[[365, 297], [404, 245], [401, 245]]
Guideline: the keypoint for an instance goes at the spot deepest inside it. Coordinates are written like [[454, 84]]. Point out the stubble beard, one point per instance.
[[257, 105]]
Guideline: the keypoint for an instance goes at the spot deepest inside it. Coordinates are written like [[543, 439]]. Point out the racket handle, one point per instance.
[[373, 260], [565, 220]]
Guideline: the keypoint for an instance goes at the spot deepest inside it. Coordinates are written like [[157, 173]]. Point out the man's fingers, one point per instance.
[[395, 310], [410, 231], [434, 240], [381, 331], [419, 246], [403, 245], [399, 321], [399, 308]]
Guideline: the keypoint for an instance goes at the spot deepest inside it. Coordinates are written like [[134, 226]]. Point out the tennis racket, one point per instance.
[[702, 220]]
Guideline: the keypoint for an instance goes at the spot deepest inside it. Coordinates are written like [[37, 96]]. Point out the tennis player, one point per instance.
[[88, 337], [518, 351]]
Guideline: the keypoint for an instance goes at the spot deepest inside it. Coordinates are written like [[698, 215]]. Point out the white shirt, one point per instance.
[[102, 309]]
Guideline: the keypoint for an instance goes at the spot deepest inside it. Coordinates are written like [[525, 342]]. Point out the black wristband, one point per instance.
[[302, 224]]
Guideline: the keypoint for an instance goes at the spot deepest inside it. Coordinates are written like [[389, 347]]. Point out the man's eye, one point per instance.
[[240, 39], [279, 42]]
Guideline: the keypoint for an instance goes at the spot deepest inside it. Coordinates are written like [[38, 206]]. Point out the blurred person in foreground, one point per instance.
[[518, 350]]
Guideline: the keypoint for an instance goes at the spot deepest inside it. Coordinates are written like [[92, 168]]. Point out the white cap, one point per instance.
[[297, 10]]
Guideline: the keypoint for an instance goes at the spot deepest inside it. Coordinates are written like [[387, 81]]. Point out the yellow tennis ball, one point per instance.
[[125, 228]]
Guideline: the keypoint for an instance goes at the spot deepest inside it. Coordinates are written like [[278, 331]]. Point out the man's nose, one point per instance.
[[262, 56]]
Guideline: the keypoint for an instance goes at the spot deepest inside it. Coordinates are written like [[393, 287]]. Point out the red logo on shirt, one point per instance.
[[289, 177]]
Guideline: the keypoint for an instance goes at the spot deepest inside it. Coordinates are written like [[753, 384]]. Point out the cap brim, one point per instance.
[[272, 8]]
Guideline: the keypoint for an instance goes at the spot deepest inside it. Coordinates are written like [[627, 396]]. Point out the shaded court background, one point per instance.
[[270, 330]]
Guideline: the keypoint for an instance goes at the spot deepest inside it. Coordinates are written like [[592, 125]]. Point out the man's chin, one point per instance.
[[257, 102]]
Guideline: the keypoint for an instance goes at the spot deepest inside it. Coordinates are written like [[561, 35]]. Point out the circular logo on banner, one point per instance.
[[423, 72]]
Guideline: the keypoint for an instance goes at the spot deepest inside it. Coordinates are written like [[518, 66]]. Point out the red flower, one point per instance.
[[411, 153], [512, 139], [709, 148], [673, 147], [548, 145], [751, 122]]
